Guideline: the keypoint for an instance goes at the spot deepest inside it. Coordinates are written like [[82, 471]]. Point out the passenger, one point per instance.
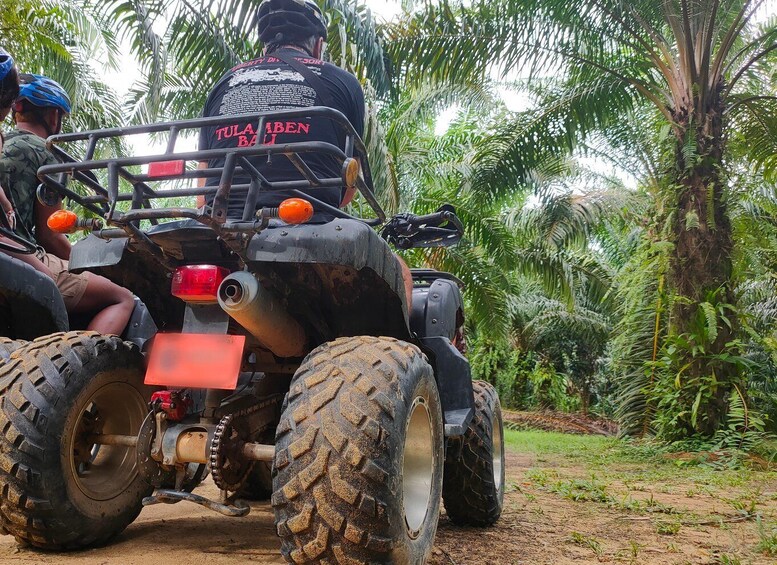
[[9, 91], [38, 112], [290, 74]]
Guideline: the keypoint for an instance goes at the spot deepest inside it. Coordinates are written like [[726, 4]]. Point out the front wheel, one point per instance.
[[359, 455], [62, 490], [473, 489]]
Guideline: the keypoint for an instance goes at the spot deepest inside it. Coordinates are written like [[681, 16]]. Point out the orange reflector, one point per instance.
[[295, 211], [351, 170], [63, 221], [165, 169]]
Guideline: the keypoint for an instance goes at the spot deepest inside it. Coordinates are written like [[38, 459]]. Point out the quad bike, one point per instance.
[[286, 362]]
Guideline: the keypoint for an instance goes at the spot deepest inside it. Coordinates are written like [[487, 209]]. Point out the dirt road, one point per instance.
[[184, 532], [556, 513]]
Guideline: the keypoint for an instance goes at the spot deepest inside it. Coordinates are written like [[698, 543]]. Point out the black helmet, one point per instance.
[[284, 20]]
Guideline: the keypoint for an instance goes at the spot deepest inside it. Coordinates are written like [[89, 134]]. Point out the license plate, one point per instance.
[[195, 361]]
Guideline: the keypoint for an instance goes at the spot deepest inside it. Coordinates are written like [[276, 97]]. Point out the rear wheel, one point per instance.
[[473, 488], [358, 460], [60, 489]]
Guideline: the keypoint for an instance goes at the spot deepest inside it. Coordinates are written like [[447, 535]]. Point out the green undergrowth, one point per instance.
[[624, 474], [641, 482]]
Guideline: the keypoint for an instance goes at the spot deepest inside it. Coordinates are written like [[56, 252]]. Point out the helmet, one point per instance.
[[290, 20], [6, 63], [43, 92]]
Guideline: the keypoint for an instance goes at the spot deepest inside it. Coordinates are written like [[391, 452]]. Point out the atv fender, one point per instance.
[[454, 381], [30, 303], [141, 326], [437, 312]]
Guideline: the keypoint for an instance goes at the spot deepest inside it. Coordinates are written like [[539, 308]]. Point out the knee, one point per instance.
[[125, 297]]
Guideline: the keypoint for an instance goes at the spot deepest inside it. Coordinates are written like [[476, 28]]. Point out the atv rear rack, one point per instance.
[[105, 190]]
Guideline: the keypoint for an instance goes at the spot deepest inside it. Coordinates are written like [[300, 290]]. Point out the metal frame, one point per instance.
[[104, 199]]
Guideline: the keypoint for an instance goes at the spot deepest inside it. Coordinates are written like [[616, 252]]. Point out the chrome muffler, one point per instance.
[[262, 314]]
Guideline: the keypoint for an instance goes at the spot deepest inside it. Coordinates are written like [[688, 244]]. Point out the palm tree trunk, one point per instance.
[[702, 263]]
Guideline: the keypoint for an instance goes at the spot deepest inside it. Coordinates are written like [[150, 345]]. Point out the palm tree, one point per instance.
[[66, 41], [702, 65]]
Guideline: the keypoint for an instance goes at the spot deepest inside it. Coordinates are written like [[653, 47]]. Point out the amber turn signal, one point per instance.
[[295, 211], [63, 221]]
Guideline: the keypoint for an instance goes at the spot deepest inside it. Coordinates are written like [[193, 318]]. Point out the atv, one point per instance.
[[283, 359]]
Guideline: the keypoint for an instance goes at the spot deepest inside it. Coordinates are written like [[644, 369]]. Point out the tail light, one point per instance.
[[198, 283]]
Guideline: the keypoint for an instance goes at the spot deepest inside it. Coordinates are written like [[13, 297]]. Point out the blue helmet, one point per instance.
[[6, 63], [43, 92]]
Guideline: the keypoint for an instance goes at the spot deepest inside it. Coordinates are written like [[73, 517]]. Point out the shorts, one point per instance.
[[71, 286]]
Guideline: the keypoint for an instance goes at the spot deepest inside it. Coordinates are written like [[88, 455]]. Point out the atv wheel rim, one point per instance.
[[496, 435], [103, 472], [417, 467]]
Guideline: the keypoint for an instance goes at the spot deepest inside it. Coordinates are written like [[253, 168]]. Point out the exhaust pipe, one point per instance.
[[258, 311]]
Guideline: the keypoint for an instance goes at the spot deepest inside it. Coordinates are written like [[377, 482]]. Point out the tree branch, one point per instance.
[[753, 60], [748, 100], [728, 41]]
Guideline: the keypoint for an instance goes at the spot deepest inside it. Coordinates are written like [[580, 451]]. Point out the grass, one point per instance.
[[634, 462], [768, 538], [634, 483], [551, 443], [587, 541]]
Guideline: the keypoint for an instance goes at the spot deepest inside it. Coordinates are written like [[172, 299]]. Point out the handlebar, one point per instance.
[[439, 229]]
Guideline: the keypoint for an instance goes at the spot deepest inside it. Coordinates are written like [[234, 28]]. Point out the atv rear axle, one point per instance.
[[192, 447]]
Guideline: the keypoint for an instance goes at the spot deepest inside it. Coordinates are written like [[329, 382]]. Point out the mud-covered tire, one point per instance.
[[473, 487], [59, 491], [8, 346], [343, 489]]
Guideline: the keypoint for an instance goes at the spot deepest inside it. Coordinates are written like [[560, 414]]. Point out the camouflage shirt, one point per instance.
[[23, 154]]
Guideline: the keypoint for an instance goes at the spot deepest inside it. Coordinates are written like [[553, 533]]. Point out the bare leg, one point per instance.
[[407, 277], [114, 302], [31, 260]]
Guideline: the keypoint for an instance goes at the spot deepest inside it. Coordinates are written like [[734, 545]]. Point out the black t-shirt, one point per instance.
[[268, 84]]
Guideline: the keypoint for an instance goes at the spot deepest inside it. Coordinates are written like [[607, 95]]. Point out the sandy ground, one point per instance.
[[537, 527]]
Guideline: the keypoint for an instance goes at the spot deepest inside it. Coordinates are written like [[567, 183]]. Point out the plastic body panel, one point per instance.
[[141, 326], [436, 309], [337, 279], [30, 303]]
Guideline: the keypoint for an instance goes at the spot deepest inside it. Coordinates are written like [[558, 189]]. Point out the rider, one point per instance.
[[38, 113], [9, 90], [293, 32], [290, 74]]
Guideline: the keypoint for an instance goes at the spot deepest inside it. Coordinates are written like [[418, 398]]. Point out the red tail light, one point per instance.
[[198, 283]]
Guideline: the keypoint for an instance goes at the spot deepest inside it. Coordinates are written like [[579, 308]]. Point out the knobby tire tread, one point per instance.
[[469, 493], [29, 384], [334, 480]]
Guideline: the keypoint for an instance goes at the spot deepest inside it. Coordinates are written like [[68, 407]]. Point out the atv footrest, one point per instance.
[[166, 496]]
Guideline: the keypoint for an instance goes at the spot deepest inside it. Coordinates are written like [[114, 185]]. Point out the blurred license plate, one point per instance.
[[195, 361]]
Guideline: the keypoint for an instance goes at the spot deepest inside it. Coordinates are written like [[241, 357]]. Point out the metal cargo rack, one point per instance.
[[103, 196]]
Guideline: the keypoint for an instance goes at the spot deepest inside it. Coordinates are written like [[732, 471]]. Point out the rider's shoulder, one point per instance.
[[23, 142]]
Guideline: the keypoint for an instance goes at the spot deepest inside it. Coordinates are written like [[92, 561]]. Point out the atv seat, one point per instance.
[[30, 302]]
